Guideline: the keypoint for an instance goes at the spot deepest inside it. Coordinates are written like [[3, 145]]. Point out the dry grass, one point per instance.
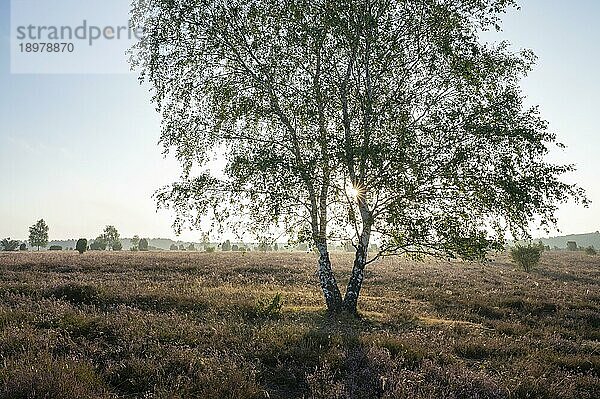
[[185, 325]]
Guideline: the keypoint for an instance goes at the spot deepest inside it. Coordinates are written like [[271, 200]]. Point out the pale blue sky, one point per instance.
[[81, 151]]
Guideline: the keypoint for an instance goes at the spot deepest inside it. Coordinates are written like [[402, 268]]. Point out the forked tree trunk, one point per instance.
[[333, 297]]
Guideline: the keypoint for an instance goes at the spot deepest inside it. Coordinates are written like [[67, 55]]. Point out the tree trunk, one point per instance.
[[358, 272], [356, 279], [333, 297]]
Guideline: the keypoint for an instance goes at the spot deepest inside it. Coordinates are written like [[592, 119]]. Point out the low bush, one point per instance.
[[56, 248], [527, 256], [269, 307]]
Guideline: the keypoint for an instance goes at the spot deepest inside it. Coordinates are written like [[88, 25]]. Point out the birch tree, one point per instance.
[[38, 234], [359, 119]]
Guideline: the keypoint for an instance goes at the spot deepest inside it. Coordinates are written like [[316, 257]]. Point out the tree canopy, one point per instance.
[[112, 237], [38, 234], [350, 120]]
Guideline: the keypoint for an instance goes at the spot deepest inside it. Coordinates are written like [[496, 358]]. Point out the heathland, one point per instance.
[[253, 325]]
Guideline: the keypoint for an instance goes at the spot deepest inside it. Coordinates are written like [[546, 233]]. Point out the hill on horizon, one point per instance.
[[582, 240]]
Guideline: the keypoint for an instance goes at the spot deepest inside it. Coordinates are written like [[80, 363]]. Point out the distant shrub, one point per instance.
[[9, 245], [23, 247], [117, 246], [81, 245], [182, 247], [226, 246], [191, 247], [99, 244], [173, 247], [143, 245], [302, 247], [571, 245], [269, 307], [56, 248], [349, 246], [234, 247], [527, 256], [264, 247], [590, 251], [209, 249], [134, 242]]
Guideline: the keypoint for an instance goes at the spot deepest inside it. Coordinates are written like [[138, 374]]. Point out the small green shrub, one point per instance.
[[527, 257], [56, 248], [209, 249], [269, 307], [81, 245], [590, 251]]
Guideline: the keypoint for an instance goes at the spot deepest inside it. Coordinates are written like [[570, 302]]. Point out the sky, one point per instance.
[[81, 150]]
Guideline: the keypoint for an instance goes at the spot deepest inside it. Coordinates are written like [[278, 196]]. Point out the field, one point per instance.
[[198, 325]]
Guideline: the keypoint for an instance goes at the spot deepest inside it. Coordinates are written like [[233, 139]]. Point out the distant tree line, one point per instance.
[[110, 239]]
